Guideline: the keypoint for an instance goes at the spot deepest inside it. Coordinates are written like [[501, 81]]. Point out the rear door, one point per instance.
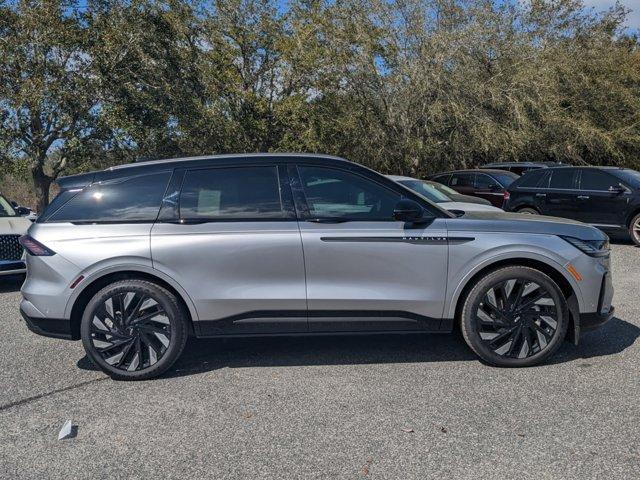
[[365, 270], [232, 242], [597, 203], [560, 199]]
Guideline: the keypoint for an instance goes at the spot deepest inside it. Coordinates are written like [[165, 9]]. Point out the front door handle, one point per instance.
[[541, 195], [583, 197]]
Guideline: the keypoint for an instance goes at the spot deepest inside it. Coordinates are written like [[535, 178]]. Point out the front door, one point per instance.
[[561, 196], [235, 247], [365, 271], [600, 204]]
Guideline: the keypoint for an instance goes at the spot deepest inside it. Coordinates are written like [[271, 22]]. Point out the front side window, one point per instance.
[[562, 178], [123, 200], [248, 193], [6, 210], [462, 180], [596, 180], [484, 182], [338, 194]]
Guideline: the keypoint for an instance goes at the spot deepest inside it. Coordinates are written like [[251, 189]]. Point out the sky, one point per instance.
[[633, 19]]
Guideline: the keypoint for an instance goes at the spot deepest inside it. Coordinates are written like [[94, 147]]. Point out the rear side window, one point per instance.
[[247, 193], [531, 179], [462, 180], [123, 200], [562, 178], [597, 180]]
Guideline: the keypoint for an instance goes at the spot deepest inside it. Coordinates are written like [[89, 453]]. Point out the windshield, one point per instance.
[[505, 179], [6, 210], [632, 177], [426, 190], [443, 189]]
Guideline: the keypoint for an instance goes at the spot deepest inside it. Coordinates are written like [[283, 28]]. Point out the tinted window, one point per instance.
[[336, 193], [597, 180], [484, 181], [231, 193], [462, 180], [504, 178], [531, 178], [131, 199], [444, 179], [631, 177], [562, 178]]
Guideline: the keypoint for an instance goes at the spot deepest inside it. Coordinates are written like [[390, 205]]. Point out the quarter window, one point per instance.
[[123, 200], [531, 178], [596, 180], [231, 193], [338, 194]]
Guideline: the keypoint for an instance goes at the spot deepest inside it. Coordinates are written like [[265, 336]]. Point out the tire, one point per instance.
[[134, 330], [522, 336], [529, 210], [634, 229]]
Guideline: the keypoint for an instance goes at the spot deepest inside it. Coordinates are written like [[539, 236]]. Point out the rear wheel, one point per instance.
[[529, 210], [634, 229], [133, 330], [515, 317]]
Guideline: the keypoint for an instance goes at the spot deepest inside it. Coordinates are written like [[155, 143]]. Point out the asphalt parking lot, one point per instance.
[[364, 407]]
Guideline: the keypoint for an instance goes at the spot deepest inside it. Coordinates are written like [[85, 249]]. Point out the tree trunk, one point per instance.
[[42, 184]]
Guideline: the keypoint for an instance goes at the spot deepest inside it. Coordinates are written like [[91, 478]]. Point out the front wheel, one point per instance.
[[634, 229], [133, 330], [515, 317], [529, 211]]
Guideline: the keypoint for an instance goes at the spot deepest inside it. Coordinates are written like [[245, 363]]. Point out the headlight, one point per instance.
[[593, 248]]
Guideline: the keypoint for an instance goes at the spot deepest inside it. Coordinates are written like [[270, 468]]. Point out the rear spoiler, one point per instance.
[[75, 181]]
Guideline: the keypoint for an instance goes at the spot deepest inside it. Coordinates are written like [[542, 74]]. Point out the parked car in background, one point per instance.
[[25, 212], [433, 192], [519, 168], [12, 227], [487, 184], [606, 197], [457, 197], [135, 258]]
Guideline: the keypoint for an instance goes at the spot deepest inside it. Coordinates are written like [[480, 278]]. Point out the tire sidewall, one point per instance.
[[635, 237], [167, 302], [470, 326], [528, 211]]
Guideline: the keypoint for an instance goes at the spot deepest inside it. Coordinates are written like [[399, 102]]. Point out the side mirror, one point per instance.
[[22, 210], [617, 189], [408, 211]]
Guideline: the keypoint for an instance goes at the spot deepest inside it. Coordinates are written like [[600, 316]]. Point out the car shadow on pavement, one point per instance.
[[203, 355], [11, 283]]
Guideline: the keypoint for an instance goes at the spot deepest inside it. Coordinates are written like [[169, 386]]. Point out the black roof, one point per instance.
[[477, 170], [520, 164]]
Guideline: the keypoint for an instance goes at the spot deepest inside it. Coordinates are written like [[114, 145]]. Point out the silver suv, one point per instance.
[[134, 259]]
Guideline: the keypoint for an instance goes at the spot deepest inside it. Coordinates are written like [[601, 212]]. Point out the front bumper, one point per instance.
[[49, 327], [12, 267], [591, 321]]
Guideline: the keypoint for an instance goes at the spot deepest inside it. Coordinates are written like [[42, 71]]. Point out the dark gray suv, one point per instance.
[[135, 258]]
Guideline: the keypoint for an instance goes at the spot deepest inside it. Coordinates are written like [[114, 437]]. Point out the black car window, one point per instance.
[[630, 177], [596, 180], [123, 200], [504, 179], [462, 180], [332, 193], [247, 193], [531, 179], [562, 178], [484, 181], [443, 179]]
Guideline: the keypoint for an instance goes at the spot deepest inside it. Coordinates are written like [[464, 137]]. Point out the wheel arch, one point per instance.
[[97, 282], [568, 290]]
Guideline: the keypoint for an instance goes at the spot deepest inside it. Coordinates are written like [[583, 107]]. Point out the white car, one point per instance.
[[12, 227], [431, 191]]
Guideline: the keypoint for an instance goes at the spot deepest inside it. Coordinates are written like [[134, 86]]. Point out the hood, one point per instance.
[[14, 225], [523, 223], [469, 207]]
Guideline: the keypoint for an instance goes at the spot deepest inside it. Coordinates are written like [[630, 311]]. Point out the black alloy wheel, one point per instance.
[[514, 317], [133, 329]]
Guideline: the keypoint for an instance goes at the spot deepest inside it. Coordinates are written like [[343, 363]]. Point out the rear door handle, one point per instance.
[[583, 197], [541, 195]]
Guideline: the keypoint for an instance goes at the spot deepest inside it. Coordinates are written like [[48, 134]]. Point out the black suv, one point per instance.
[[606, 197]]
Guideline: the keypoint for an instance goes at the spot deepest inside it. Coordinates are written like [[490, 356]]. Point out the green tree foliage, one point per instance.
[[404, 86]]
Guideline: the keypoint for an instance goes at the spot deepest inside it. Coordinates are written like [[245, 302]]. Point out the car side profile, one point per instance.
[[133, 259], [487, 184], [606, 197]]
